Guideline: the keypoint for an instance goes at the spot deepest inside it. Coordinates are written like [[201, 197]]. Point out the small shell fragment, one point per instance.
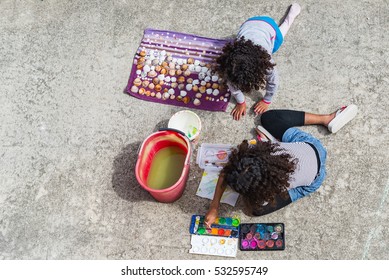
[[196, 102]]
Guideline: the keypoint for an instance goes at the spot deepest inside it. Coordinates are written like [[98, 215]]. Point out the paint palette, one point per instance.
[[223, 226], [213, 156], [262, 237], [214, 245]]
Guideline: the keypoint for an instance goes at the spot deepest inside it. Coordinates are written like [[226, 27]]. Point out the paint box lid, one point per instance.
[[213, 156]]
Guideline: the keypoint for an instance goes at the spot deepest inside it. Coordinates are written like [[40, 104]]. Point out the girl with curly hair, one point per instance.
[[246, 63], [273, 173]]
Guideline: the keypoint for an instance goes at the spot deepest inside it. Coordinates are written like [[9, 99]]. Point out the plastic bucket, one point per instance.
[[188, 122], [149, 148]]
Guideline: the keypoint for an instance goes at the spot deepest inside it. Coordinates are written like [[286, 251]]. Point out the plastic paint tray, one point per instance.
[[224, 226], [214, 245], [262, 237], [213, 156]]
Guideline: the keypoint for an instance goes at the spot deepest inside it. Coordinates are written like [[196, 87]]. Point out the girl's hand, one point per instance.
[[238, 111], [211, 216], [261, 107]]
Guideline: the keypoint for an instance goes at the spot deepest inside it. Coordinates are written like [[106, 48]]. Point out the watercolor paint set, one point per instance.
[[223, 226], [213, 156], [262, 237]]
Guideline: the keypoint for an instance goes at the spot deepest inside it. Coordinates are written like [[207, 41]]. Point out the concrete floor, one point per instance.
[[69, 136]]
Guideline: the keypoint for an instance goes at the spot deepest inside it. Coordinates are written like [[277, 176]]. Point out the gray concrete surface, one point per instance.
[[69, 135]]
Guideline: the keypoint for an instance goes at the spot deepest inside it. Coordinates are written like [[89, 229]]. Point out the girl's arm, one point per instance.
[[214, 206]]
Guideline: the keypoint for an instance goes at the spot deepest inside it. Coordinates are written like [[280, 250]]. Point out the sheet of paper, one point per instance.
[[207, 188]]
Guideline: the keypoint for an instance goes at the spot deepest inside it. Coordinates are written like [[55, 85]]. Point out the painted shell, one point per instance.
[[142, 53], [184, 67], [134, 89], [137, 82], [163, 71], [152, 74], [158, 87], [156, 81], [142, 91], [195, 88], [158, 68], [181, 79], [186, 99], [189, 87]]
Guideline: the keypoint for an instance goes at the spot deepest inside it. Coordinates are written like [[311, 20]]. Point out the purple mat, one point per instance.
[[175, 68]]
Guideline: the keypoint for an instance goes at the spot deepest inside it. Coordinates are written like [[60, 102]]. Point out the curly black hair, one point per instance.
[[259, 172], [244, 64]]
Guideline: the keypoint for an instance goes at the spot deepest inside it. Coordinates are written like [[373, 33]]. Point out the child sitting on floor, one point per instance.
[[272, 174], [247, 64]]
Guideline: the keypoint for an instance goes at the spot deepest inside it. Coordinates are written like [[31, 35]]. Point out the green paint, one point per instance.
[[235, 222], [166, 168], [201, 231], [222, 221]]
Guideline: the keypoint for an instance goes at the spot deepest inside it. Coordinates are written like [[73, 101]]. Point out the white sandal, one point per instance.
[[266, 133], [342, 117]]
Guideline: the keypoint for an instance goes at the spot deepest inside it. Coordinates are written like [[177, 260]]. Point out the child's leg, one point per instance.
[[278, 121], [292, 14]]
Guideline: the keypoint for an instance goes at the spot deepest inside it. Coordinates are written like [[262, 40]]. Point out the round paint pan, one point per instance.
[[261, 244], [279, 243], [245, 243], [253, 244], [270, 243]]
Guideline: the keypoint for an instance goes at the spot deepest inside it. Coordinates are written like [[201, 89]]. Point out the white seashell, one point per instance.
[[215, 92], [167, 79], [198, 68], [169, 58], [178, 67], [172, 96], [185, 61], [173, 79], [198, 95], [203, 83], [158, 95], [195, 82], [188, 87], [138, 72], [148, 62], [146, 68], [209, 91], [215, 78], [227, 94], [172, 65], [204, 69], [225, 99], [161, 76], [183, 93], [201, 76], [207, 79], [191, 67], [134, 89], [196, 102], [180, 61], [161, 58], [209, 73], [181, 86], [174, 60], [220, 81], [152, 68], [202, 63], [197, 62], [171, 91], [155, 62], [166, 95], [163, 53]]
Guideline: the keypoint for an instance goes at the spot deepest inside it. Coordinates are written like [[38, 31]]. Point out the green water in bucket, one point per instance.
[[166, 168]]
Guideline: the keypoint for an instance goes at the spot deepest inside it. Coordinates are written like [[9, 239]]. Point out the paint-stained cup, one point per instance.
[[188, 122]]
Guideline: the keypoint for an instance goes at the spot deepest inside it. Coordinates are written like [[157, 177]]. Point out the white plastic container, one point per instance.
[[213, 156], [188, 122]]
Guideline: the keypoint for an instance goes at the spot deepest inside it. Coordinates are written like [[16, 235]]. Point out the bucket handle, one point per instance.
[[172, 129]]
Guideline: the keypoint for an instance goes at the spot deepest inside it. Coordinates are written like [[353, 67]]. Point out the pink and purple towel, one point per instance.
[[176, 68]]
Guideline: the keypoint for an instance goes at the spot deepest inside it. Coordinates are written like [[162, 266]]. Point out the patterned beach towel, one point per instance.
[[176, 68]]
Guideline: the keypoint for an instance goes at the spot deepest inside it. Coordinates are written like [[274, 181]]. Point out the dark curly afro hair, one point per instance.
[[259, 172], [244, 64]]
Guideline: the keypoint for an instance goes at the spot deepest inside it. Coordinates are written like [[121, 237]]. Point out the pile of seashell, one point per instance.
[[163, 76]]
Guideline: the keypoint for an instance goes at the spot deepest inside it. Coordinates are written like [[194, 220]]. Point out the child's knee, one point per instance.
[[267, 118]]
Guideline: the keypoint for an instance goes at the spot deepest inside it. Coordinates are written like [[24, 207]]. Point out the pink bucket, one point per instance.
[[150, 146]]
